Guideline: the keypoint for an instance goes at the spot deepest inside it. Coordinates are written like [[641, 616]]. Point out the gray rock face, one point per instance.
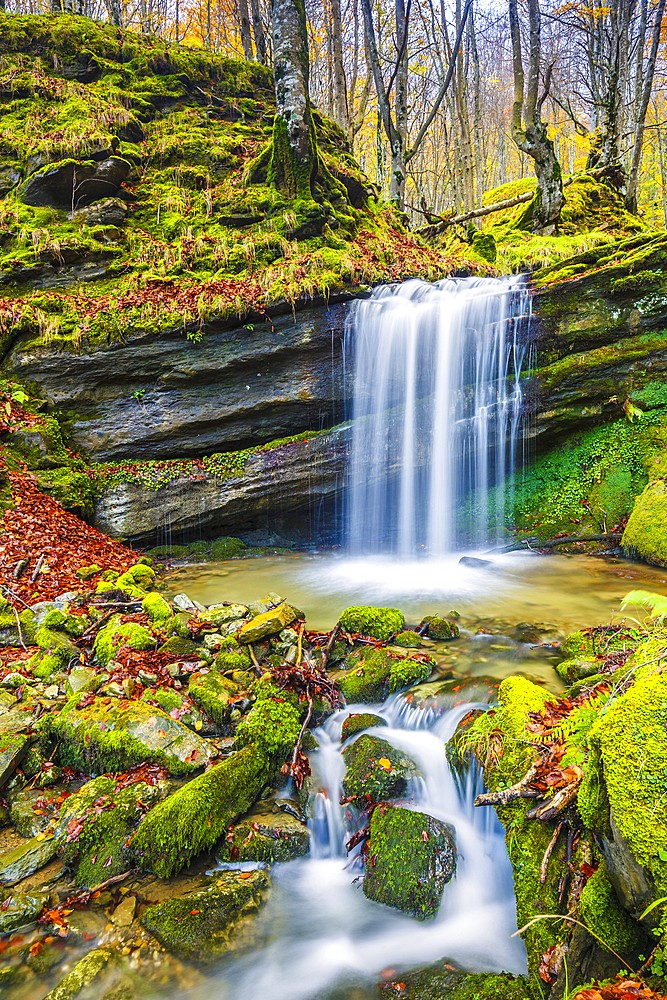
[[235, 388], [110, 212], [280, 487], [74, 183]]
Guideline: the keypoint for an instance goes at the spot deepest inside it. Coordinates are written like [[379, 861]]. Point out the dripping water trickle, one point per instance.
[[437, 412]]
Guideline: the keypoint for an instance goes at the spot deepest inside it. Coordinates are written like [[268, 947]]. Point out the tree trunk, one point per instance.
[[544, 211], [401, 105], [635, 167], [246, 40], [114, 12], [338, 70], [258, 30], [294, 162]]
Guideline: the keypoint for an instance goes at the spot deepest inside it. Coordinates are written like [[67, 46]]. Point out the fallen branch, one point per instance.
[[254, 660], [38, 568], [329, 646], [547, 853], [572, 920], [438, 227], [20, 568], [518, 791], [18, 625], [552, 807], [552, 543]]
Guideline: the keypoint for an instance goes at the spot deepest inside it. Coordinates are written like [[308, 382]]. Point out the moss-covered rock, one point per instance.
[[380, 623], [156, 608], [214, 694], [26, 859], [114, 636], [17, 909], [274, 724], [269, 623], [111, 735], [373, 674], [204, 925], [441, 628], [440, 981], [265, 834], [195, 817], [83, 973], [358, 721], [96, 822], [412, 856], [408, 639], [645, 536], [376, 770]]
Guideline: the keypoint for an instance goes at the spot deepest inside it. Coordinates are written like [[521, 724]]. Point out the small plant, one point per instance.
[[138, 394]]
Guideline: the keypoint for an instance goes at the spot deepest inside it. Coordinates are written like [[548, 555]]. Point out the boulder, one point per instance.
[[19, 909], [34, 810], [376, 770], [109, 212], [380, 623], [266, 834], [180, 707], [358, 721], [373, 674], [74, 183], [10, 176], [272, 724], [218, 919], [269, 623], [441, 628], [13, 748], [440, 980], [195, 817], [84, 972], [111, 734], [408, 640], [214, 694], [114, 636], [645, 535], [26, 859], [412, 856]]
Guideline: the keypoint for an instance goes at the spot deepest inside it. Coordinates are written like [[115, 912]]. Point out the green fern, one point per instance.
[[655, 603]]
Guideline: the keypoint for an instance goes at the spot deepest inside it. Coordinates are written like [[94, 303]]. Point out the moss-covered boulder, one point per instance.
[[440, 981], [269, 623], [266, 834], [26, 859], [9, 630], [356, 722], [442, 628], [214, 694], [116, 635], [195, 817], [373, 674], [13, 748], [83, 974], [408, 639], [272, 724], [380, 623], [376, 770], [216, 920], [111, 734], [96, 822], [156, 608], [573, 670], [645, 535], [412, 856]]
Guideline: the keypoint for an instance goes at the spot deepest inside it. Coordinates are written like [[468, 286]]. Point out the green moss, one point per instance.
[[273, 724], [380, 623], [114, 636], [645, 535], [376, 770], [408, 639], [356, 722], [156, 608], [602, 913], [196, 816], [441, 628], [373, 674], [214, 694], [83, 973], [234, 657]]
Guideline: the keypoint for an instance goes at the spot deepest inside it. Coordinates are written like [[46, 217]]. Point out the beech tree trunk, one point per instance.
[[258, 31], [635, 167], [246, 39], [531, 137], [338, 73], [115, 14], [294, 164]]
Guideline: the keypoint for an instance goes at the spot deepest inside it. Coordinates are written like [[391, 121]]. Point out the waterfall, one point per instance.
[[436, 409]]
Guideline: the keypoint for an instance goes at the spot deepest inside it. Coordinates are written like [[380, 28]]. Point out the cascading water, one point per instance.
[[325, 934], [436, 410]]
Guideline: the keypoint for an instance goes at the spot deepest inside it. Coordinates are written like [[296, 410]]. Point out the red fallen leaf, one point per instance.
[[36, 947], [88, 935], [246, 874], [193, 913]]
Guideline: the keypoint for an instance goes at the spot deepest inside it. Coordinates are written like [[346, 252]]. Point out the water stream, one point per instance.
[[326, 933]]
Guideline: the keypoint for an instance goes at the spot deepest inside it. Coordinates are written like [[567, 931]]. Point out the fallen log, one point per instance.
[[552, 543], [507, 795]]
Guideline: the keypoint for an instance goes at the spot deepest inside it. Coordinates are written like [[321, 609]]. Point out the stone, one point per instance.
[[109, 212], [645, 535], [20, 909], [96, 823], [83, 973], [112, 735], [376, 770], [358, 721], [13, 748], [443, 695], [18, 719], [269, 623], [123, 915], [440, 981], [474, 563], [441, 628], [373, 674], [180, 648], [10, 176], [26, 859], [81, 679], [408, 640], [114, 636], [195, 817], [265, 834], [34, 810], [217, 920], [412, 856], [214, 694], [222, 614], [380, 623], [74, 183]]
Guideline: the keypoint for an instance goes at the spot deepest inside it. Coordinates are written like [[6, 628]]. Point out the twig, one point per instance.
[[329, 646], [507, 795], [20, 568], [254, 660], [38, 567], [18, 625], [299, 644], [547, 853], [303, 729], [561, 800], [96, 626], [563, 916]]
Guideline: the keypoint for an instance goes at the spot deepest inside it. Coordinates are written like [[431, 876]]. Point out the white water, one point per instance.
[[326, 933], [437, 409]]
